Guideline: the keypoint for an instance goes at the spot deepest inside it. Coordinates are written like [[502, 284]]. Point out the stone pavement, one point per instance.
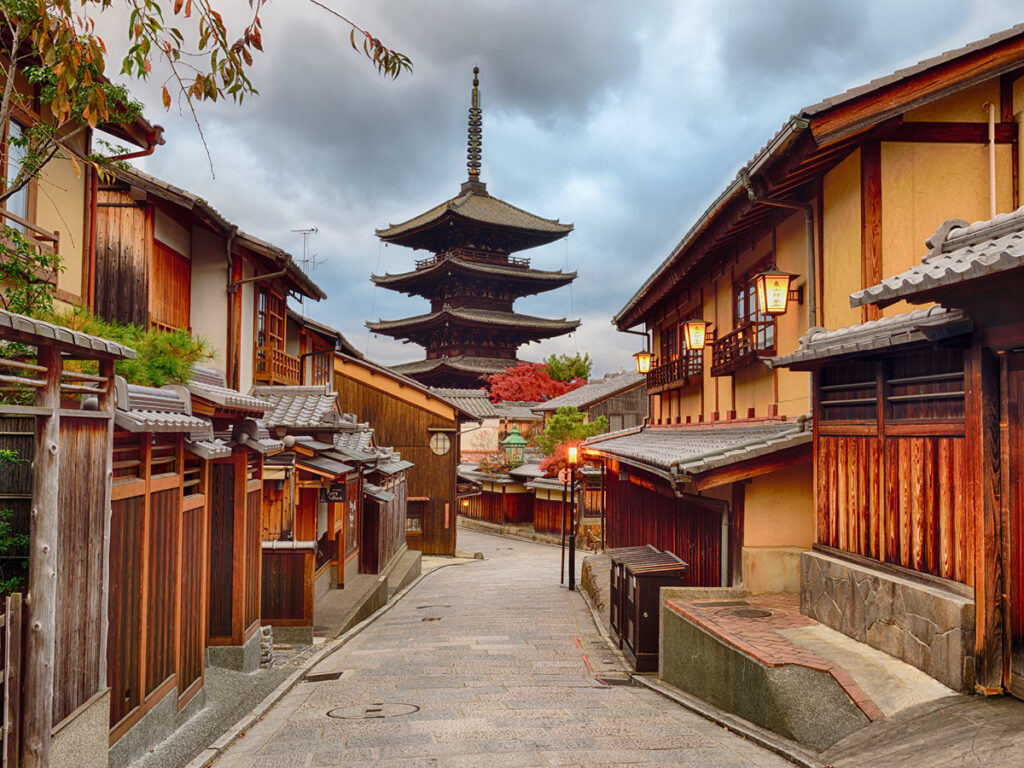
[[485, 663]]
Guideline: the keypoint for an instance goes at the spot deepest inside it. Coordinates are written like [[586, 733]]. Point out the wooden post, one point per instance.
[[106, 405], [12, 680], [40, 638]]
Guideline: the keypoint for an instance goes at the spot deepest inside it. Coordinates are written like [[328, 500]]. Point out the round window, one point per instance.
[[440, 443]]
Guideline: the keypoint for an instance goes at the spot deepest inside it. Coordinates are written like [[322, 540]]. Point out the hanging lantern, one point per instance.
[[643, 362], [772, 289], [573, 455], [695, 334]]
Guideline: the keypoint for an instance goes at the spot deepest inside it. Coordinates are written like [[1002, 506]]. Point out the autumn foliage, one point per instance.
[[528, 382]]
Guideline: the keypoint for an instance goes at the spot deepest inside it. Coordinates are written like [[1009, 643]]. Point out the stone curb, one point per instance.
[[232, 734], [771, 741], [508, 532]]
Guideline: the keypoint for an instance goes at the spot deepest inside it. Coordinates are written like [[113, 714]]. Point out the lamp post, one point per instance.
[[573, 459]]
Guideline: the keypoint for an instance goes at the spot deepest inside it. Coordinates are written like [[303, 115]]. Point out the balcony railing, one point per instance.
[[742, 346], [681, 372], [273, 366], [512, 261], [47, 243]]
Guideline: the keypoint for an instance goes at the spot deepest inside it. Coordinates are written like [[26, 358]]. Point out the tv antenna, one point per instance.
[[308, 261]]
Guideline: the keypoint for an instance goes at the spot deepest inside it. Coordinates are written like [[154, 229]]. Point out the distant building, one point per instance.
[[496, 421], [621, 398]]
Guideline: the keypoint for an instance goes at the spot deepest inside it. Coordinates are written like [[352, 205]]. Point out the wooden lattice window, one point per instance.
[[163, 456], [270, 328], [762, 327], [669, 344], [127, 463], [925, 386], [849, 392]]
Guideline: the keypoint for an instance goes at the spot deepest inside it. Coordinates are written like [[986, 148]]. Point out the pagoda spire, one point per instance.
[[474, 150]]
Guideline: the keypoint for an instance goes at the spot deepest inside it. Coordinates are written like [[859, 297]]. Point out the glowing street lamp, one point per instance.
[[772, 290], [643, 362], [695, 334]]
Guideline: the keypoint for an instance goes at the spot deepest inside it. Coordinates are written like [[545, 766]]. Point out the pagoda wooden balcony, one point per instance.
[[675, 374], [742, 346], [513, 261], [274, 366]]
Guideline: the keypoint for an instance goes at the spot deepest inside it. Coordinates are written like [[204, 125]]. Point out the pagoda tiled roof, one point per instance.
[[461, 363], [467, 315], [476, 207], [544, 279]]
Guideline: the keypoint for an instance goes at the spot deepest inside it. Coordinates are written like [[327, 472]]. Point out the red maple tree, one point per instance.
[[528, 382]]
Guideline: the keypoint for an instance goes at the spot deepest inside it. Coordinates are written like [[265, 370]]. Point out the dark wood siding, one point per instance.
[[547, 515], [643, 510], [161, 602], [80, 609], [125, 606], [122, 258], [287, 577], [252, 560], [627, 409], [222, 550], [193, 639], [406, 428]]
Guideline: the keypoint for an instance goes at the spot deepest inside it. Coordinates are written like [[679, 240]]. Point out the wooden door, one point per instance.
[[1013, 454]]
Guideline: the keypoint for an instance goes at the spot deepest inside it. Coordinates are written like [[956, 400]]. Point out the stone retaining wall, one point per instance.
[[924, 626]]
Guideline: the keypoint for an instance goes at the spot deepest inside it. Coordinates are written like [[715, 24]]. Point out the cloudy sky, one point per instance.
[[625, 122]]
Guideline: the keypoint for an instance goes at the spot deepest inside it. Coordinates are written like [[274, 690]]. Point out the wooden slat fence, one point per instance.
[[287, 578], [252, 544], [11, 638]]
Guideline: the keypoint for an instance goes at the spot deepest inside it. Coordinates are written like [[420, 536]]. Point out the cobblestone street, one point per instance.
[[486, 663]]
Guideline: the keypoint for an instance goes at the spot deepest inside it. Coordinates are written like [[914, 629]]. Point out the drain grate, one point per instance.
[[438, 605], [751, 613], [378, 710], [609, 680], [322, 677], [431, 618]]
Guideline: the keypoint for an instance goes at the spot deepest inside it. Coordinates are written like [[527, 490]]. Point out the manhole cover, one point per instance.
[[439, 605], [431, 618], [375, 711], [751, 613]]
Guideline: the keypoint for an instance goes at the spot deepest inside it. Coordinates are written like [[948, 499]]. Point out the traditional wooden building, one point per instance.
[[165, 258], [472, 280], [621, 398], [841, 196], [424, 428], [918, 456]]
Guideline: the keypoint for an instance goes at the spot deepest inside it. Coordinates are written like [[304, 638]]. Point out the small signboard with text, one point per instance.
[[335, 492]]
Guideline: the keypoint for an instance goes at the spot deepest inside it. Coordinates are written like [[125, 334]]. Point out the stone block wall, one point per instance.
[[924, 626]]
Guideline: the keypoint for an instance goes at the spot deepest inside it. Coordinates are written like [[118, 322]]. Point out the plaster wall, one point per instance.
[[210, 299], [171, 233], [966, 106], [778, 526], [841, 243], [925, 184], [60, 208]]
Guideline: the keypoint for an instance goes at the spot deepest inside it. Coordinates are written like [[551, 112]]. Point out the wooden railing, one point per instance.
[[274, 366], [739, 347], [682, 372], [512, 261], [45, 242]]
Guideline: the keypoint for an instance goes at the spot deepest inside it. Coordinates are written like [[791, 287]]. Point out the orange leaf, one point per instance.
[[167, 98]]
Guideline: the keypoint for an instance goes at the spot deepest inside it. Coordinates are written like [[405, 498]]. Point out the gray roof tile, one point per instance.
[[300, 407], [691, 450], [477, 403], [592, 393], [920, 325], [959, 252], [27, 330], [209, 384]]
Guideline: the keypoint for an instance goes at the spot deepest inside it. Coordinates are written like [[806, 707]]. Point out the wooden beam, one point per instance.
[[40, 640], [871, 222], [953, 133], [916, 90], [761, 465]]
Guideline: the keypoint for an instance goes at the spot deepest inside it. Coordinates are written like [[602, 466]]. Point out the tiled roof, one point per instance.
[[378, 493], [796, 125], [595, 392], [208, 449], [208, 384], [323, 465], [300, 407], [488, 317], [920, 325], [689, 450], [325, 330], [27, 330], [148, 409], [479, 267], [959, 252], [481, 365], [361, 441], [482, 208], [476, 402], [251, 433]]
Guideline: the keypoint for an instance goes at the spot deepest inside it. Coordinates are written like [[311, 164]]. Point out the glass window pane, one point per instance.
[[18, 202]]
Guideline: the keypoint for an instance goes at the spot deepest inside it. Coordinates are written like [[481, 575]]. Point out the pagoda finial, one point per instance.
[[474, 151]]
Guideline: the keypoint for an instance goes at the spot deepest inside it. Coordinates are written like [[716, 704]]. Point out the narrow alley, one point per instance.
[[482, 664]]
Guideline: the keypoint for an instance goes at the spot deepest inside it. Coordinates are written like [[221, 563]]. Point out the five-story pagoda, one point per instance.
[[472, 280]]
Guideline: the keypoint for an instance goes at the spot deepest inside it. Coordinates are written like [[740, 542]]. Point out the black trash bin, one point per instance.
[[619, 557], [641, 608]]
